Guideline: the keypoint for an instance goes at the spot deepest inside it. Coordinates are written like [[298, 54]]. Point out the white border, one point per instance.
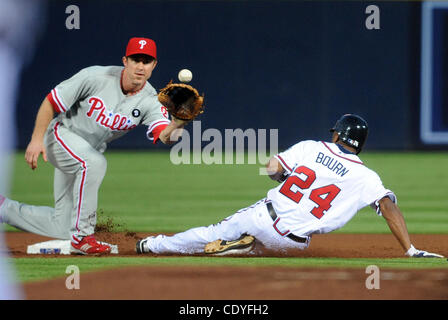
[[426, 134]]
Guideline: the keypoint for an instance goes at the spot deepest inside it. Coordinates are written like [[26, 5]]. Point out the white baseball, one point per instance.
[[185, 75]]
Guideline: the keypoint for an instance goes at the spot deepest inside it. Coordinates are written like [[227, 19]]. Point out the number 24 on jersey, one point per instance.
[[322, 196]]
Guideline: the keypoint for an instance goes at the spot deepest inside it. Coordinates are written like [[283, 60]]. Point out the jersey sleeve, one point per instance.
[[374, 191], [292, 156], [65, 94], [156, 119]]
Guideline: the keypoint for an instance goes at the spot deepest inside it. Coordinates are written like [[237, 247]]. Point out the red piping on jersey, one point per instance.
[[60, 104], [83, 163], [341, 156], [156, 128], [55, 102], [284, 163], [154, 125]]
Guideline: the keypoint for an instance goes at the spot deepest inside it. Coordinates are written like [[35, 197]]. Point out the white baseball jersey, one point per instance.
[[326, 187], [92, 105]]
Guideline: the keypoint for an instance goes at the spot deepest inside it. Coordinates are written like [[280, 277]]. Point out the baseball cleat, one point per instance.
[[140, 246], [89, 245], [222, 247]]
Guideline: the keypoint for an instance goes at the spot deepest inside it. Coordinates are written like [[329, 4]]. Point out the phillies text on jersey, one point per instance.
[[92, 105]]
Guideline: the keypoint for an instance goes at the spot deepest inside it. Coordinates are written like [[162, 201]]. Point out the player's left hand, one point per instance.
[[412, 252], [182, 101]]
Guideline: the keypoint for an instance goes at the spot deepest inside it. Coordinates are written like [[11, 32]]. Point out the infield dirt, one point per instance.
[[264, 283]]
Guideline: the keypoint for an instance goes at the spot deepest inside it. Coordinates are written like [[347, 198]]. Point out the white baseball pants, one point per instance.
[[254, 220]]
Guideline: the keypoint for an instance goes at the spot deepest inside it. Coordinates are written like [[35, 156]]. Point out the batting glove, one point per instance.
[[412, 252]]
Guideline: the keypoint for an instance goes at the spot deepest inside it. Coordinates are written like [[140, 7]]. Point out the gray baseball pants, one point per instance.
[[79, 171]]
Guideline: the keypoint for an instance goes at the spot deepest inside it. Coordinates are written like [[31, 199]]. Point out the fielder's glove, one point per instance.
[[182, 101], [412, 252]]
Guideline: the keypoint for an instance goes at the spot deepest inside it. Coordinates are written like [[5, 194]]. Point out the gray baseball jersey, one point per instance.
[[92, 105], [92, 112]]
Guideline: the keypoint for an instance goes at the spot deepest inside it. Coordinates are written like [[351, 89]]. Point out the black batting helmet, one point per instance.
[[352, 130]]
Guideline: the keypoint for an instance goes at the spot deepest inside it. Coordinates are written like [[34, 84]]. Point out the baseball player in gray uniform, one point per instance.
[[95, 106]]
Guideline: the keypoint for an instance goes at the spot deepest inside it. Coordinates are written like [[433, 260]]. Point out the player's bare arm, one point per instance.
[[275, 170], [397, 225], [173, 131], [36, 145], [395, 221]]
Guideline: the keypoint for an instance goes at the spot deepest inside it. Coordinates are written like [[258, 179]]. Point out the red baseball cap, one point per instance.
[[141, 46]]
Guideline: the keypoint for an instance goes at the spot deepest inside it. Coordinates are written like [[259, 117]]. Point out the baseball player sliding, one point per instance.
[[322, 186], [95, 106]]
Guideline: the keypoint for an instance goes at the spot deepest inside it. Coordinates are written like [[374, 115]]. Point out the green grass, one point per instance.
[[145, 192], [44, 268]]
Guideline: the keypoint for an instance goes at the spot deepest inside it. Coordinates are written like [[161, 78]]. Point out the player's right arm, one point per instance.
[[384, 202], [275, 170], [395, 221], [397, 225], [36, 145], [59, 100], [279, 166]]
